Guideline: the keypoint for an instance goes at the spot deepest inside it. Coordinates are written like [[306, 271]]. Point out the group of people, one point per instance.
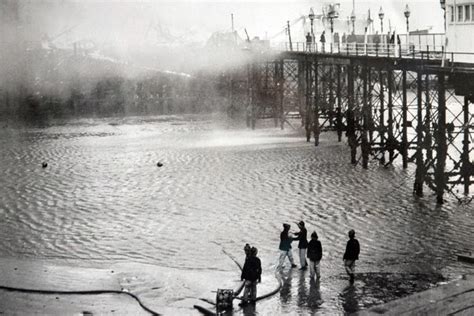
[[309, 41], [391, 39], [312, 250]]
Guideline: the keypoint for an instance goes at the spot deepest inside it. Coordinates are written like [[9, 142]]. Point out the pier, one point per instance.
[[392, 103]]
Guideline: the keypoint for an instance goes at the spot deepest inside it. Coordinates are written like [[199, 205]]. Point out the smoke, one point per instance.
[[52, 49]]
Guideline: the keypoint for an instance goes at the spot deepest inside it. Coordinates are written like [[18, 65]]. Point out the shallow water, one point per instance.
[[102, 198]]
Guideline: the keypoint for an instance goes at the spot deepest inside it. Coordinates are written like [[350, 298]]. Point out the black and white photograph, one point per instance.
[[236, 157]]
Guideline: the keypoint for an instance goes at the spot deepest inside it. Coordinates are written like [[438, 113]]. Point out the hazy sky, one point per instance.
[[125, 29], [194, 20]]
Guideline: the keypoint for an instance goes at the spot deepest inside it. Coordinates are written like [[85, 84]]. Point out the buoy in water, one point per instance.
[[44, 164], [159, 164]]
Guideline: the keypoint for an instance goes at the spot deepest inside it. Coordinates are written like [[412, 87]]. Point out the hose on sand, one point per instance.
[[95, 292]]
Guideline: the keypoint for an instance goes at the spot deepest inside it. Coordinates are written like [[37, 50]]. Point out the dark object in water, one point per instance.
[[466, 257], [159, 164], [224, 299], [44, 164]]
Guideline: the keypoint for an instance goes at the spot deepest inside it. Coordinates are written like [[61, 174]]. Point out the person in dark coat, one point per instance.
[[322, 39], [301, 236], [351, 255], [315, 253], [285, 247], [392, 38], [251, 274], [309, 41]]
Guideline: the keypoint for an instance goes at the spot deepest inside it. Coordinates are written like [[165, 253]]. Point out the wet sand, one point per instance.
[[103, 203], [454, 298]]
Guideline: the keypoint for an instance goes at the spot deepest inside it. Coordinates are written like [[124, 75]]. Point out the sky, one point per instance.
[[165, 32], [195, 20]]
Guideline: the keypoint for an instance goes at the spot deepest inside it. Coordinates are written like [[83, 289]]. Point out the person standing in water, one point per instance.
[[351, 255], [285, 247], [315, 253], [251, 274], [302, 244]]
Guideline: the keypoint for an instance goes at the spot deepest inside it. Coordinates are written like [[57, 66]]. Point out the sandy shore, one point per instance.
[[52, 278], [454, 298], [43, 276], [43, 287]]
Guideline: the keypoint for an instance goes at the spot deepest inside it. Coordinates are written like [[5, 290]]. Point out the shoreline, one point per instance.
[[455, 297], [55, 287]]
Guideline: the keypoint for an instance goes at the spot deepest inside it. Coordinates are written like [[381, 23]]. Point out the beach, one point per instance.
[[168, 233]]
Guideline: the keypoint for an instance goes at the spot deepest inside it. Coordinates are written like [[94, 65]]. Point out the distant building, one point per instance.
[[459, 19]]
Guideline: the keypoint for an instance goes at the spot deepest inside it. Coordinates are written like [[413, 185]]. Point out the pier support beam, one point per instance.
[[331, 102], [370, 106], [391, 141], [365, 145], [281, 91], [420, 172], [440, 177], [302, 90], [339, 125], [382, 117], [309, 98], [351, 124], [467, 168], [404, 145], [427, 122], [316, 127]]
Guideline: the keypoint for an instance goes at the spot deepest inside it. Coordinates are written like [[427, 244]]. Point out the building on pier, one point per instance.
[[459, 19]]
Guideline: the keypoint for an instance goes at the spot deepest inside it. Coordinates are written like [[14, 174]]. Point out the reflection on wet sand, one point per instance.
[[285, 291], [315, 298], [308, 291], [250, 310], [349, 299], [302, 298]]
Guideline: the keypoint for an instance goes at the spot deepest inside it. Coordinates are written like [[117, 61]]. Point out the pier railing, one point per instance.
[[428, 52]]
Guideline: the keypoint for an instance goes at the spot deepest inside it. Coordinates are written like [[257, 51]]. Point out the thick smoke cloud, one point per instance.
[[51, 51]]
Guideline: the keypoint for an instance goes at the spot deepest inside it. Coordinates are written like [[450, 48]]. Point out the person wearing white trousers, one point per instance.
[[302, 244]]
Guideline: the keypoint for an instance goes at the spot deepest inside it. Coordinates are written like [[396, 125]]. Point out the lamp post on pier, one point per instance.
[[353, 19], [407, 16], [331, 15], [381, 16], [311, 18]]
